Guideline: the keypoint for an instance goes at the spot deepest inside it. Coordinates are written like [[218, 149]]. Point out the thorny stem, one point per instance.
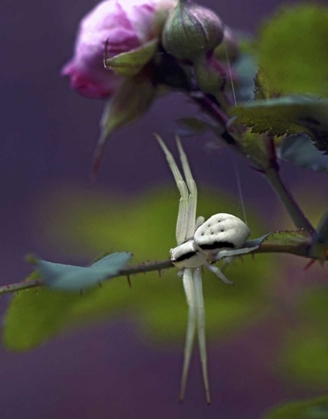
[[127, 271], [293, 209], [299, 247], [271, 173], [274, 179]]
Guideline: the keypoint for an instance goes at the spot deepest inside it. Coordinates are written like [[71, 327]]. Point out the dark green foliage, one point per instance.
[[288, 115]]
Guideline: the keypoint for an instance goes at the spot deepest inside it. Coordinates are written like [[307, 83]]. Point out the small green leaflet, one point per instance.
[[70, 278], [130, 102]]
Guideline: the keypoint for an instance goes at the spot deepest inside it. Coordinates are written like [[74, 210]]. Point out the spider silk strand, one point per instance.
[[235, 166]]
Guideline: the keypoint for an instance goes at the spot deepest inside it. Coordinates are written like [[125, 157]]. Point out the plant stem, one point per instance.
[[293, 209], [216, 112], [271, 171], [297, 246]]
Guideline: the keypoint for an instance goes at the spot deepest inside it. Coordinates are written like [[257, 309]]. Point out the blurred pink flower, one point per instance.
[[125, 25]]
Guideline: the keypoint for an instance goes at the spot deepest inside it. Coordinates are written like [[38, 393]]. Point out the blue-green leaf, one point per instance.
[[246, 69], [72, 278], [299, 150]]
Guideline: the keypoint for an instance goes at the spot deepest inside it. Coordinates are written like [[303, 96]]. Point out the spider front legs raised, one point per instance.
[[199, 242]]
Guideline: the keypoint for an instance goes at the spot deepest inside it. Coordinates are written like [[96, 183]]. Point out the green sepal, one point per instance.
[[129, 103], [131, 63]]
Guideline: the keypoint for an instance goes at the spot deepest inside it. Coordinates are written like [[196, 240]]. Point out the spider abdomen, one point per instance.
[[221, 231]]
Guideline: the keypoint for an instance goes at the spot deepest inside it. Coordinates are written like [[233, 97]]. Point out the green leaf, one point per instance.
[[299, 150], [292, 50], [262, 90], [71, 278], [35, 315], [288, 237], [287, 115], [303, 356], [316, 408], [129, 103], [296, 242], [254, 147], [314, 307], [131, 63], [147, 226]]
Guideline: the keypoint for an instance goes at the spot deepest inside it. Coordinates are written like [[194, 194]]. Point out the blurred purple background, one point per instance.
[[49, 135]]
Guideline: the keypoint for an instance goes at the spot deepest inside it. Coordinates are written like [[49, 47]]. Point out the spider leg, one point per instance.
[[199, 221], [218, 273], [201, 328], [192, 190], [188, 285], [183, 218], [234, 252]]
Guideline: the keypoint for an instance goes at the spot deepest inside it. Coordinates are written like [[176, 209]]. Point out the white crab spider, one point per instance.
[[199, 243]]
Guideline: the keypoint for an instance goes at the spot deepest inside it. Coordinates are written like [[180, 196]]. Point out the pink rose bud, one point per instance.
[[123, 25]]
